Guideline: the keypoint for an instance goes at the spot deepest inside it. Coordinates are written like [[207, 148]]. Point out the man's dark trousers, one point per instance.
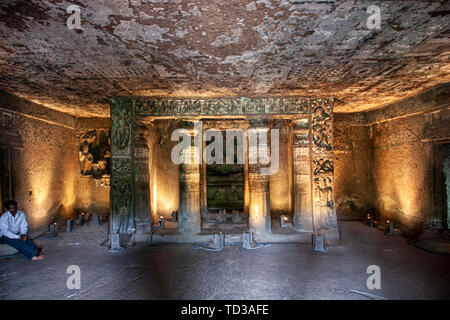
[[27, 248]]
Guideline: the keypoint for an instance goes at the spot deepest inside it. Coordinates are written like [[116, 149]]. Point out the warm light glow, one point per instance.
[[401, 187], [155, 200]]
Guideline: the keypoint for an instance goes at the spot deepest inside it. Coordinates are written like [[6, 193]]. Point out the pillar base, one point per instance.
[[332, 236], [260, 225]]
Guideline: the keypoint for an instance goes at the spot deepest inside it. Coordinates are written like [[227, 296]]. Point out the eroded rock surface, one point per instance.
[[221, 48]]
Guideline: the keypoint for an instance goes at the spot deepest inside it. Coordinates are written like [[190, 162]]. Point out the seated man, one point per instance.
[[13, 232]]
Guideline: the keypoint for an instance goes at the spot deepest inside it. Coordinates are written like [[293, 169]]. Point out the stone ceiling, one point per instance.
[[221, 48]]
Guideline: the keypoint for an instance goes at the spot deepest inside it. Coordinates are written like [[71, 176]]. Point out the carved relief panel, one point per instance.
[[323, 169], [94, 153]]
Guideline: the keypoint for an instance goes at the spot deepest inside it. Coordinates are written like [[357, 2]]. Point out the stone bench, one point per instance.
[[6, 250]]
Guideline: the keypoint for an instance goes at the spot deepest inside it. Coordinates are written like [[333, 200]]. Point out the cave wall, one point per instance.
[[44, 159], [390, 161], [406, 168], [352, 171], [46, 179]]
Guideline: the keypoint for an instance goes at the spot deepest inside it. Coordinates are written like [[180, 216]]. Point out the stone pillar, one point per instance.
[[122, 179], [189, 212], [246, 186], [204, 184], [259, 193], [143, 218], [303, 216], [324, 211]]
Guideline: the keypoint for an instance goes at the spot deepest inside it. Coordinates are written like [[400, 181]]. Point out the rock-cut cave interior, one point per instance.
[[145, 137]]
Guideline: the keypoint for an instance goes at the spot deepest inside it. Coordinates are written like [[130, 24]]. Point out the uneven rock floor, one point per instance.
[[281, 271]]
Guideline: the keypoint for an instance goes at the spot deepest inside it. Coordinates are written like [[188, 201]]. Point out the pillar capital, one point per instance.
[[258, 124]]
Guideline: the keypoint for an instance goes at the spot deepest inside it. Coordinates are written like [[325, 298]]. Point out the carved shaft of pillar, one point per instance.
[[259, 191], [142, 184], [204, 186], [122, 180], [189, 211], [303, 215], [323, 170], [246, 178]]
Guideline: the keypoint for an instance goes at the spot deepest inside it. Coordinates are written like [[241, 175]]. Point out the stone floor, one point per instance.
[[281, 271]]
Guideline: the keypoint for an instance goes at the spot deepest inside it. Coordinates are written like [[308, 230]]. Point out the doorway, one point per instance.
[[225, 182]]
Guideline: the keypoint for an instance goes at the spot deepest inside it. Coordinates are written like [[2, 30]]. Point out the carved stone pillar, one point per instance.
[[204, 184], [142, 181], [189, 211], [324, 211], [122, 195], [303, 216], [246, 186], [259, 191]]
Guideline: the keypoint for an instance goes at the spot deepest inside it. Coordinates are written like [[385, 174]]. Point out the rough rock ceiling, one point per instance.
[[221, 48]]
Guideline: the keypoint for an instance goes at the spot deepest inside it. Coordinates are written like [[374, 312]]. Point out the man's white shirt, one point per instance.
[[13, 226]]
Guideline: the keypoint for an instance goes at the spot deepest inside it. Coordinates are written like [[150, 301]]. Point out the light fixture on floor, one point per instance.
[[389, 227], [69, 225], [221, 217], [236, 216], [248, 242], [319, 243], [81, 219], [52, 229], [96, 220], [284, 221], [114, 243], [217, 244], [369, 220], [390, 230]]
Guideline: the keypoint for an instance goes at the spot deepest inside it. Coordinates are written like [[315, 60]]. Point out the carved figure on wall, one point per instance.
[[7, 120], [86, 160], [321, 128], [123, 220], [329, 184], [94, 154], [98, 168], [121, 130], [324, 202], [321, 136], [323, 166], [121, 167]]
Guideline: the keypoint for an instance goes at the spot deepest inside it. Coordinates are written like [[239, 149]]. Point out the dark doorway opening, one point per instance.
[[225, 183]]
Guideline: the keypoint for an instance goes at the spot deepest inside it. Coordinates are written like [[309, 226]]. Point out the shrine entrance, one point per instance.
[[147, 184]]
